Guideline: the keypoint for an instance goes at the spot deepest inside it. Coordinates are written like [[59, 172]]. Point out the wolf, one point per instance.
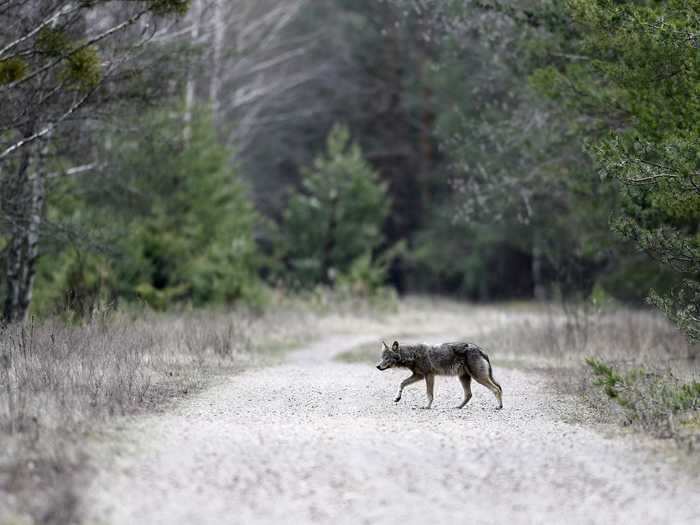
[[464, 360]]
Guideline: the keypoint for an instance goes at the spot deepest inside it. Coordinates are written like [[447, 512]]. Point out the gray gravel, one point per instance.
[[317, 441]]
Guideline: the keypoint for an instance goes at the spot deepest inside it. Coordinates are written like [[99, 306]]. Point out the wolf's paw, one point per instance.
[[426, 407], [397, 399]]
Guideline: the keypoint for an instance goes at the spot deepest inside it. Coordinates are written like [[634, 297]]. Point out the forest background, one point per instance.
[[174, 154]]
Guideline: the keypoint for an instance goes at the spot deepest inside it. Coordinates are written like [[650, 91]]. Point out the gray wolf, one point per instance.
[[464, 360]]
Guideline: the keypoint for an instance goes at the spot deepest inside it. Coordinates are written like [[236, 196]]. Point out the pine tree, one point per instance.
[[635, 77], [337, 216]]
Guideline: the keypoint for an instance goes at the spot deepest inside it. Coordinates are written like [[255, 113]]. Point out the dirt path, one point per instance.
[[318, 441]]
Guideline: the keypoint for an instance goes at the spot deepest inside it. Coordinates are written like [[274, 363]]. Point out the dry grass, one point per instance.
[[565, 336], [59, 382], [655, 371]]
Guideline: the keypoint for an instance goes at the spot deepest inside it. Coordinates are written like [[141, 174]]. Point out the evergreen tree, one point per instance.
[[171, 223], [634, 74], [337, 216]]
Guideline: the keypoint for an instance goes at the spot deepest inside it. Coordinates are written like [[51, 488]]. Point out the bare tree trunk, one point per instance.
[[217, 59], [24, 205], [31, 256], [196, 13], [12, 275], [539, 291], [15, 207]]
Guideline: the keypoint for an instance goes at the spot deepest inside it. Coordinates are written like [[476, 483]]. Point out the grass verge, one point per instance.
[[657, 402], [629, 368], [59, 383]]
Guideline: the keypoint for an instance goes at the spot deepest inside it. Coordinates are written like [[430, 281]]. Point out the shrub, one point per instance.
[[649, 399], [169, 222]]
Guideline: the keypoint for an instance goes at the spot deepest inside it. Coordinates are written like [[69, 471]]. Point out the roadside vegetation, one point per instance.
[[657, 401], [624, 367], [63, 383]]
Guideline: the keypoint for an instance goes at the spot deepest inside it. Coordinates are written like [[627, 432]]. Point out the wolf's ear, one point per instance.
[[395, 346], [385, 346]]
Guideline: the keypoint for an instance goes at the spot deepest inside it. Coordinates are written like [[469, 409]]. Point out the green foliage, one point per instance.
[[196, 241], [53, 42], [683, 308], [175, 224], [366, 276], [11, 70], [74, 284], [334, 222], [83, 68], [527, 214], [476, 261], [637, 86], [647, 397], [166, 7], [606, 377]]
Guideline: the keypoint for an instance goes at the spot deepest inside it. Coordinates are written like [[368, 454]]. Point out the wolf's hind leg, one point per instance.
[[498, 391], [466, 381], [408, 381], [494, 387], [429, 387]]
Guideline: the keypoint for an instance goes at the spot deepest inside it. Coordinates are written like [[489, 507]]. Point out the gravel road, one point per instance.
[[318, 441]]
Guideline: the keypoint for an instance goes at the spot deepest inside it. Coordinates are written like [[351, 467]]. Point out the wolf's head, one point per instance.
[[390, 356]]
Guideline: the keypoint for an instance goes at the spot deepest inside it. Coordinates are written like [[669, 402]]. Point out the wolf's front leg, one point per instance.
[[408, 381], [429, 386], [466, 381]]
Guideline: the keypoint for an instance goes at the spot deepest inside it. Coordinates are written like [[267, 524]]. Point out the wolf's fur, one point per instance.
[[464, 360]]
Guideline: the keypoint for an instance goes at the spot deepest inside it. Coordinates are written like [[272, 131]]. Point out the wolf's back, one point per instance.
[[470, 349], [463, 349]]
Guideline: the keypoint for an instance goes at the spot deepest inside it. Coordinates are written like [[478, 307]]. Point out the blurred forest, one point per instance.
[[173, 152]]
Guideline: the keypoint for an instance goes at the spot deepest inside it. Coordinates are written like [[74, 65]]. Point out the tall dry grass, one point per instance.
[[564, 335], [58, 382], [630, 367]]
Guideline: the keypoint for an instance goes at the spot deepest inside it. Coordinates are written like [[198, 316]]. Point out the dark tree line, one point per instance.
[[484, 129]]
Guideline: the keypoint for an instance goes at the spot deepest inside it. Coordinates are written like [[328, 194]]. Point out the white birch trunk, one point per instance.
[[196, 13], [217, 58], [31, 256]]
